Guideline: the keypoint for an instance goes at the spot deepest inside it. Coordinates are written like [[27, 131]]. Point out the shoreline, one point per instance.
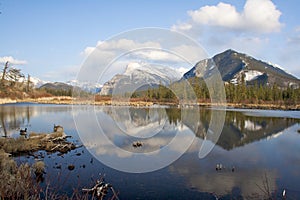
[[66, 100]]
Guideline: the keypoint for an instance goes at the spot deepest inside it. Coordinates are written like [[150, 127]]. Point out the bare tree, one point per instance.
[[4, 71], [28, 84], [14, 75]]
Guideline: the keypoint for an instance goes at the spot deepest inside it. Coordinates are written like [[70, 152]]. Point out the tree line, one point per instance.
[[235, 93]]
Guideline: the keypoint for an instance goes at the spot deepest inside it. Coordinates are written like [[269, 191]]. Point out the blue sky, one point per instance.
[[48, 39]]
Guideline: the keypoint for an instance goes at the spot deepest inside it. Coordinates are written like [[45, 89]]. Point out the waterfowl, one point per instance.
[[219, 167], [23, 131], [58, 128], [137, 144], [233, 168]]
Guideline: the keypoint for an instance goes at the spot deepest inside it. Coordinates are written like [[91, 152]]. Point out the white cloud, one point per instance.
[[120, 45], [87, 51], [127, 44], [182, 26], [65, 73], [149, 51], [259, 16], [168, 48], [182, 70], [220, 15], [157, 55], [192, 53], [12, 60]]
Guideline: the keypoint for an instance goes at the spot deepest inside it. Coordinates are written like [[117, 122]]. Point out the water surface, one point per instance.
[[261, 146]]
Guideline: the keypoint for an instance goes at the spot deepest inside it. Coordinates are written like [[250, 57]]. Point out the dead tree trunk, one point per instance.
[[4, 71]]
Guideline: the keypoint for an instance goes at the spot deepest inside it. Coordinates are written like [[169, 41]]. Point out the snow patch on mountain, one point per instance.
[[145, 69], [37, 82], [252, 75], [275, 135], [142, 74], [86, 85], [249, 75], [251, 126], [276, 65], [279, 67]]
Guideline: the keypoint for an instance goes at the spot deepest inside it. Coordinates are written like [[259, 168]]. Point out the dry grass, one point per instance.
[[49, 142], [23, 181], [16, 180], [39, 167]]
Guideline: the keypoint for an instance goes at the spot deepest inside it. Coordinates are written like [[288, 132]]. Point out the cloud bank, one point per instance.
[[258, 16], [12, 60]]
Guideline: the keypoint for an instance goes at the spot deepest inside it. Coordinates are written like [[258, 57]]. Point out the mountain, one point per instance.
[[142, 74], [236, 67], [57, 86], [86, 86], [37, 82]]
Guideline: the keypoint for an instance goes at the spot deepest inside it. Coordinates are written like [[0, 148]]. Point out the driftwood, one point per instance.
[[51, 142], [100, 190]]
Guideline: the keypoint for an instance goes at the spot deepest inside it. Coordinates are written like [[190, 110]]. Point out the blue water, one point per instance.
[[261, 146]]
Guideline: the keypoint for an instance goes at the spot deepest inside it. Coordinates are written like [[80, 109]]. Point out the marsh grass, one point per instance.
[[21, 183], [48, 142]]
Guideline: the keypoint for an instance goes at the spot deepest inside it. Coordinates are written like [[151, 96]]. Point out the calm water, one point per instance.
[[262, 146]]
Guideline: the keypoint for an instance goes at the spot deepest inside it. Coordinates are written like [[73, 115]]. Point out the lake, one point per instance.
[[258, 150]]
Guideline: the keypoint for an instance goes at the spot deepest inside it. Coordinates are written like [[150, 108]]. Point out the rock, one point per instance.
[[71, 167], [58, 167]]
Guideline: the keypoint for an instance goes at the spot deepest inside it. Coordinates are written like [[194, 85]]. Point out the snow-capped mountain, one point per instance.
[[37, 82], [236, 68], [86, 86], [141, 74]]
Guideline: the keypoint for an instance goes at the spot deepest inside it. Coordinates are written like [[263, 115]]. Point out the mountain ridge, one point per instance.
[[140, 74], [236, 67]]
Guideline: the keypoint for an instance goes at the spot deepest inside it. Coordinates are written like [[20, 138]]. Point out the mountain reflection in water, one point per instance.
[[261, 146]]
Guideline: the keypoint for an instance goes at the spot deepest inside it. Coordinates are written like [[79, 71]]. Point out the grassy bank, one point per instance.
[[138, 102]]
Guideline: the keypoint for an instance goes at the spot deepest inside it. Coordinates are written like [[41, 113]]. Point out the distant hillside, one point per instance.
[[57, 86], [236, 68], [90, 87]]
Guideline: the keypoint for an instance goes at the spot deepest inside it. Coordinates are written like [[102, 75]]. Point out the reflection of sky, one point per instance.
[[106, 141], [43, 117], [276, 158], [277, 155]]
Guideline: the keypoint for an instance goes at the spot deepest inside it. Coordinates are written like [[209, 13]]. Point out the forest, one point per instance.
[[235, 93]]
